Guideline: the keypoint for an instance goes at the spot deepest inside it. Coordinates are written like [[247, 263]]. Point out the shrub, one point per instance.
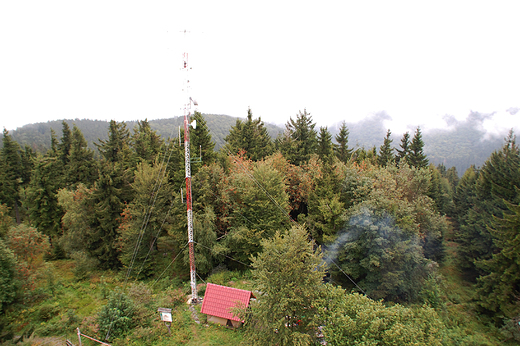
[[116, 318]]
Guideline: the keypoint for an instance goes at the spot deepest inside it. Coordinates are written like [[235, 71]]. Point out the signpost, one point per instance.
[[166, 317]]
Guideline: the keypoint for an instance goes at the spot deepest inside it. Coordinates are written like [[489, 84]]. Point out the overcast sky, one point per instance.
[[341, 60]]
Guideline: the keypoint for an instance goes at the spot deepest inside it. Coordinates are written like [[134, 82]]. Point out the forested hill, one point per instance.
[[38, 136], [462, 145]]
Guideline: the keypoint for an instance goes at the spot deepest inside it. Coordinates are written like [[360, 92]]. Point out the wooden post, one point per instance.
[[79, 337]]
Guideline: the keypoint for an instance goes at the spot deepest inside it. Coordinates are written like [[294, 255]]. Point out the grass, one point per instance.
[[63, 305], [60, 305]]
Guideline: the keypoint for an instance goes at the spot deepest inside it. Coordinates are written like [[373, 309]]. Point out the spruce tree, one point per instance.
[[145, 142], [251, 136], [82, 168], [302, 139], [202, 145], [42, 199], [499, 289], [386, 152], [65, 144], [11, 168], [416, 156], [341, 149], [496, 186], [325, 147], [402, 154]]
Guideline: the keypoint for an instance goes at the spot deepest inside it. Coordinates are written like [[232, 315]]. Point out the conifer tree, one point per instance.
[[499, 289], [251, 136], [116, 147], [111, 192], [402, 154], [202, 145], [341, 149], [416, 156], [289, 274], [325, 147], [42, 199], [65, 144], [11, 170], [82, 167], [496, 186], [301, 137], [386, 152], [146, 143]]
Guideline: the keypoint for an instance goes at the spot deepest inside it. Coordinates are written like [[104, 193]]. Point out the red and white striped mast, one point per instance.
[[187, 161]]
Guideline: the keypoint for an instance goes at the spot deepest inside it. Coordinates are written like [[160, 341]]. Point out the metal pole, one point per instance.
[[193, 280]]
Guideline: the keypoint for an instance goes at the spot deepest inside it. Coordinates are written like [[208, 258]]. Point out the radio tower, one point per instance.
[[187, 115]]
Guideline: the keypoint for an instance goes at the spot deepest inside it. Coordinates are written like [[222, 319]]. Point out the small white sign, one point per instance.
[[166, 316]]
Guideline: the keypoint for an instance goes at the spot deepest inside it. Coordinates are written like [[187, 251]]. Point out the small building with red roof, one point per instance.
[[220, 301]]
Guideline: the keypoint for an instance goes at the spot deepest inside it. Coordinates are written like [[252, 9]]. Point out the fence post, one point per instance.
[[79, 337]]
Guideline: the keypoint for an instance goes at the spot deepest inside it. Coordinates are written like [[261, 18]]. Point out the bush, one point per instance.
[[8, 284], [116, 318]]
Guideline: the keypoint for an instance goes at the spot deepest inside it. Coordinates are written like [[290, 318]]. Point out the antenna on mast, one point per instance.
[[187, 115]]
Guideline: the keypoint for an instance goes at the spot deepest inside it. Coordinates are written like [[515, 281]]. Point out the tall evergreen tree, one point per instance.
[[499, 289], [497, 185], [416, 156], [111, 193], [251, 136], [145, 142], [341, 149], [116, 147], [202, 145], [302, 139], [42, 199], [82, 167], [11, 170], [402, 154], [65, 144], [386, 152], [325, 147]]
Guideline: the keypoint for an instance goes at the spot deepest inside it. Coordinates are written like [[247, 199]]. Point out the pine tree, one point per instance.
[[496, 186], [386, 152], [499, 289], [42, 199], [65, 144], [250, 136], [202, 144], [145, 142], [116, 147], [112, 191], [289, 274], [416, 156], [341, 149], [11, 170], [82, 167], [325, 147], [301, 137], [402, 154]]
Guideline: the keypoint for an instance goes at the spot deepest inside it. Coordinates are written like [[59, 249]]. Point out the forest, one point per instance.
[[341, 245]]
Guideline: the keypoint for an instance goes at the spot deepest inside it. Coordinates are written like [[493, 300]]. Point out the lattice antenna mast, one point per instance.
[[187, 115]]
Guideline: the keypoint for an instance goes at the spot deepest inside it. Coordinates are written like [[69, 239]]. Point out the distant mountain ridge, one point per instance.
[[462, 146]]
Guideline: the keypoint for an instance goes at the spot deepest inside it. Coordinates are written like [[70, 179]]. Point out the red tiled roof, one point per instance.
[[220, 300]]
